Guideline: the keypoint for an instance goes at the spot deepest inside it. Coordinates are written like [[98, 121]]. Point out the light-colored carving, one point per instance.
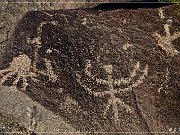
[[126, 46], [37, 40], [161, 13], [164, 84], [52, 76], [49, 51], [110, 82], [69, 102], [165, 42], [84, 21], [48, 14], [21, 66], [63, 15]]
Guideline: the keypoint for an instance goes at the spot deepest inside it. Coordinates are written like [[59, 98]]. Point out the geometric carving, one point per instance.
[[110, 82]]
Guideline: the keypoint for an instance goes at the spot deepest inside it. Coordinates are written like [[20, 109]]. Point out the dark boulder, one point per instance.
[[102, 71]]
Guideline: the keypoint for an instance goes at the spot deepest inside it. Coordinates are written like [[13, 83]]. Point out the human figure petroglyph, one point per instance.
[[110, 82], [165, 42], [161, 13]]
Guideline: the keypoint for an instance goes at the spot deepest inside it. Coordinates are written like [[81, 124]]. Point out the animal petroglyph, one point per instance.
[[165, 42], [22, 68], [110, 82]]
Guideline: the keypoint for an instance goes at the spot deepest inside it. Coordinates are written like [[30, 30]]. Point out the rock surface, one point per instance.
[[16, 115], [101, 71], [11, 11]]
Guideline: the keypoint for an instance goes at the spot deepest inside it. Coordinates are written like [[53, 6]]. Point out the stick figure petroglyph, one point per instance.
[[110, 82], [165, 42]]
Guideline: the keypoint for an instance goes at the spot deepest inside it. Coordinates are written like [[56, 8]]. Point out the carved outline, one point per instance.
[[113, 101]]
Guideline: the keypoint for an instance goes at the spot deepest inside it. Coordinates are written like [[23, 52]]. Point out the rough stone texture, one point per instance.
[[7, 125], [16, 109], [10, 14], [11, 11], [102, 71]]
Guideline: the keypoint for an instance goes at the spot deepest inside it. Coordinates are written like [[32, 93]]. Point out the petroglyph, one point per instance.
[[33, 41], [69, 102], [49, 51], [164, 84], [52, 76], [165, 42], [22, 68], [84, 21], [34, 118], [161, 13], [126, 46], [48, 14], [63, 15], [37, 40], [110, 82]]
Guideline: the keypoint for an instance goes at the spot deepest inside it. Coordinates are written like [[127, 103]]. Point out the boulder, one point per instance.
[[111, 71]]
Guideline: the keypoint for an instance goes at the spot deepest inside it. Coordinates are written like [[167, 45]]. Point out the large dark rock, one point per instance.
[[102, 71]]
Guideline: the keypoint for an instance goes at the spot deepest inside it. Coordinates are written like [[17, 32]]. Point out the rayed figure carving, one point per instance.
[[21, 67], [165, 42], [113, 101]]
